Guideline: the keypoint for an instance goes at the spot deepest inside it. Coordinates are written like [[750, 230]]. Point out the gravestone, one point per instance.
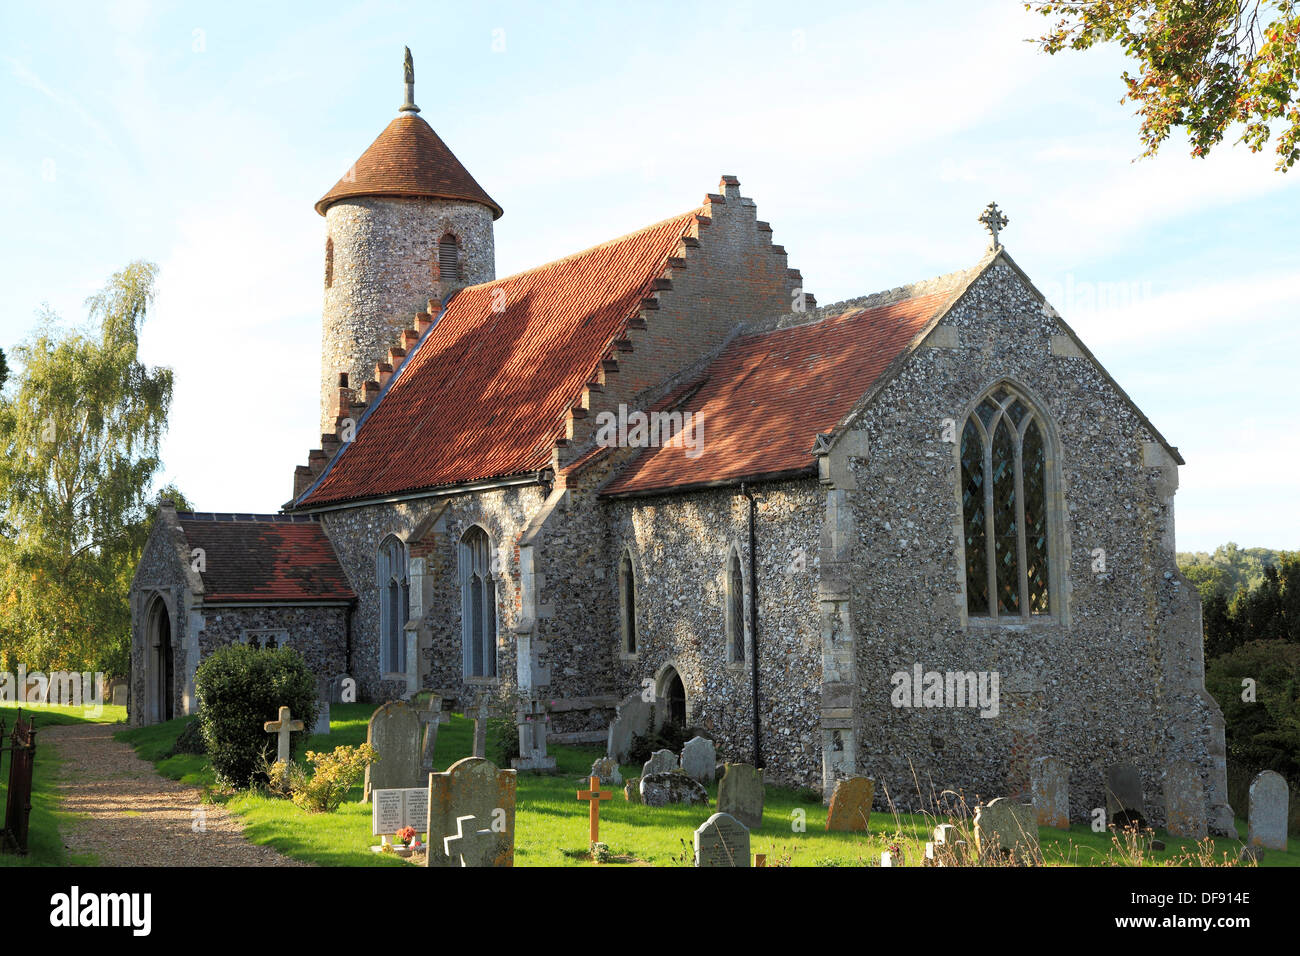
[[722, 840], [282, 728], [606, 768], [1003, 827], [1185, 801], [1269, 801], [699, 758], [471, 845], [850, 807], [430, 713], [338, 684], [119, 694], [631, 719], [472, 787], [661, 789], [632, 790], [393, 810], [322, 725], [1049, 783], [740, 793], [481, 716], [394, 732], [1124, 804], [661, 761], [947, 848]]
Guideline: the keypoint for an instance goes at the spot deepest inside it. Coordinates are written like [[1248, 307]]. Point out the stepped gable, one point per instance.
[[777, 386], [518, 356], [408, 159], [265, 558]]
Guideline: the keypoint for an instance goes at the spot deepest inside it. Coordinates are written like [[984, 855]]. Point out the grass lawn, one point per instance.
[[551, 825], [45, 840]]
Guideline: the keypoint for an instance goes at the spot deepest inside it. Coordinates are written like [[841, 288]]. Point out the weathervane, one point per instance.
[[408, 74], [993, 220]]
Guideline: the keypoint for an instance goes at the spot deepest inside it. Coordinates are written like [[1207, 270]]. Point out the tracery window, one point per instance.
[[1004, 507], [394, 604], [478, 602]]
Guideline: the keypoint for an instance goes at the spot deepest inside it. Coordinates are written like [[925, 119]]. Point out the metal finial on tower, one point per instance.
[[994, 221], [408, 74]]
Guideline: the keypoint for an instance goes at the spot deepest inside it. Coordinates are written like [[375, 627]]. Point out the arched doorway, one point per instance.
[[160, 628], [672, 697]]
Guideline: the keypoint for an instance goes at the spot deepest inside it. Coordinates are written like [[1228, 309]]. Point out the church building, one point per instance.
[[657, 468]]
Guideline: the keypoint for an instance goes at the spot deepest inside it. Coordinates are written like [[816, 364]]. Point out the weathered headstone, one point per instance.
[[661, 789], [1185, 801], [740, 793], [119, 693], [947, 848], [282, 728], [471, 845], [699, 758], [631, 719], [1003, 826], [661, 761], [632, 790], [431, 716], [1124, 803], [606, 768], [850, 807], [722, 840], [1049, 783], [472, 787], [394, 732], [322, 725], [1269, 801]]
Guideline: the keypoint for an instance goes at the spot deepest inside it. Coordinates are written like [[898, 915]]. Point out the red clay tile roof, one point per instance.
[[767, 396], [408, 159], [265, 559], [486, 393]]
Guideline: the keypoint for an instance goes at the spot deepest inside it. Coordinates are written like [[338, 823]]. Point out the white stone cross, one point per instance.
[[471, 847], [284, 726], [994, 221]]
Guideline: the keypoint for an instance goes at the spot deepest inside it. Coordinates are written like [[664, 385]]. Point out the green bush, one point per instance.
[[240, 688], [1263, 734], [502, 731]]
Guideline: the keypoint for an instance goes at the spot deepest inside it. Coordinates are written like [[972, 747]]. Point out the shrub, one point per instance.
[[324, 790], [1263, 734], [240, 688], [502, 731]]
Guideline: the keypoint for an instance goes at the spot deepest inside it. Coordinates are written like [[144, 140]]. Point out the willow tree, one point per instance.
[[80, 428], [1205, 66]]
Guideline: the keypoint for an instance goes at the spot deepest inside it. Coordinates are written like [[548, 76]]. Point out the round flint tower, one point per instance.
[[406, 224]]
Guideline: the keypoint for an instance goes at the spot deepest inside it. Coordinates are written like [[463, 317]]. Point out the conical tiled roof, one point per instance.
[[408, 159]]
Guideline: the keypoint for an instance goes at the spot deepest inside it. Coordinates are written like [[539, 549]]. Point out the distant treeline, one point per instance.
[[1250, 594]]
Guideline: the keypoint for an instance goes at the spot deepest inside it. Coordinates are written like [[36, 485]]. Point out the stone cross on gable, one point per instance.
[[472, 848], [994, 221], [284, 726]]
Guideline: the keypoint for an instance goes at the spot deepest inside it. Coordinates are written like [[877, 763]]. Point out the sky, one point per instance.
[[871, 136]]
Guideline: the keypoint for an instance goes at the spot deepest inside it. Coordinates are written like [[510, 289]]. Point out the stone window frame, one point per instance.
[[1056, 515], [284, 639], [467, 564], [735, 556], [629, 647], [393, 574]]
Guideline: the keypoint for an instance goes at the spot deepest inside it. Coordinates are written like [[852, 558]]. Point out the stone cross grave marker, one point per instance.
[[740, 793], [283, 727], [1003, 826], [1269, 801], [699, 759], [470, 845], [430, 716], [322, 725], [1185, 801], [850, 807], [394, 732], [593, 796], [722, 840], [1124, 804], [1050, 786], [476, 787]]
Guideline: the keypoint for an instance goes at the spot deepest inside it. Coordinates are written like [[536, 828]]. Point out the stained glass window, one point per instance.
[[1004, 508]]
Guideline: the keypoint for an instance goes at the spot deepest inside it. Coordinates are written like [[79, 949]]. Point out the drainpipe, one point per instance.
[[347, 616], [753, 623]]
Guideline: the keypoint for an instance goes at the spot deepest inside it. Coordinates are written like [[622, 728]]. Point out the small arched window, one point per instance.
[[329, 262], [448, 258], [394, 604], [478, 604], [735, 608], [1004, 479], [627, 603]]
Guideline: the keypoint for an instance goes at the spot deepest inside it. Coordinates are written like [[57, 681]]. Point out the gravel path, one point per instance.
[[130, 816]]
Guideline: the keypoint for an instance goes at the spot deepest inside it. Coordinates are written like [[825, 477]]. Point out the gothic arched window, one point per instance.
[[1004, 507], [448, 258], [735, 608], [627, 603], [478, 604], [394, 605]]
